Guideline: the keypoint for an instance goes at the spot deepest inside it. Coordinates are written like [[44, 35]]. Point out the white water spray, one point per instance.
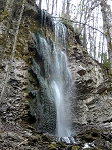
[[61, 81], [58, 76]]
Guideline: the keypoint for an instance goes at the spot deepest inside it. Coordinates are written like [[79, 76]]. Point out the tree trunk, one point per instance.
[[40, 2], [14, 47], [47, 3], [107, 25], [52, 6], [63, 7], [68, 9]]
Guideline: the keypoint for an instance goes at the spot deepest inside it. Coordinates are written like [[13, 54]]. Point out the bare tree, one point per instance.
[[40, 2], [5, 19], [47, 3], [68, 9], [52, 6], [86, 23], [107, 26], [63, 7]]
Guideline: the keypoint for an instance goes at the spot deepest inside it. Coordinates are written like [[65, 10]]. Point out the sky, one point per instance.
[[59, 4]]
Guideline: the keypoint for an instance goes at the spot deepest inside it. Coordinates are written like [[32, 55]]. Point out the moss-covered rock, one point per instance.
[[45, 138], [89, 135], [61, 144], [52, 146], [2, 37], [35, 139], [76, 148], [4, 15], [1, 42]]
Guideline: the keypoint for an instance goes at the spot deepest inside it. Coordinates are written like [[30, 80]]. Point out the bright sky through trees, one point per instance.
[[74, 4], [90, 21]]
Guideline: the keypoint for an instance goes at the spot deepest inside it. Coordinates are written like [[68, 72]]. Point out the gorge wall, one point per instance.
[[24, 91]]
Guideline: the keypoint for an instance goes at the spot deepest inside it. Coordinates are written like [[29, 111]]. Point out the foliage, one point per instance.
[[106, 61]]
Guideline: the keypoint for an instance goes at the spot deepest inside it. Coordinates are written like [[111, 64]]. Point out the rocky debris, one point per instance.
[[96, 138], [81, 70], [30, 139]]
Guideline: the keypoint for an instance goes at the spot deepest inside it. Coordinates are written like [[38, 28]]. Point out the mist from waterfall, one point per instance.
[[57, 75], [60, 84]]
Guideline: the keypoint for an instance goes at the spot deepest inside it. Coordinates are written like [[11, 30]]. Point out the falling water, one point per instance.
[[59, 84], [60, 34], [61, 81], [57, 75]]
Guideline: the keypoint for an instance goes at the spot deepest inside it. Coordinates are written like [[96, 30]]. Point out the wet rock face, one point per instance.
[[41, 100], [2, 4], [90, 91]]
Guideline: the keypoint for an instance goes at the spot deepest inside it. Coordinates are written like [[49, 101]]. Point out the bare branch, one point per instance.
[[68, 20]]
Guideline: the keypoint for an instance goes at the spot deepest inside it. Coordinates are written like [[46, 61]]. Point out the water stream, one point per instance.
[[57, 75], [60, 83]]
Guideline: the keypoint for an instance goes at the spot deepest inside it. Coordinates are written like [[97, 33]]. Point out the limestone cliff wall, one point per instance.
[[23, 97], [91, 91]]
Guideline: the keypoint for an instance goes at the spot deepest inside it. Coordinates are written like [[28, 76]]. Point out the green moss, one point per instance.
[[4, 15], [1, 42], [2, 37], [76, 148], [34, 26], [52, 147], [22, 49], [61, 144], [89, 135]]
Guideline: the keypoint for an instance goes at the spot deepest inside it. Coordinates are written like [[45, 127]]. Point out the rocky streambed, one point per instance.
[[14, 136]]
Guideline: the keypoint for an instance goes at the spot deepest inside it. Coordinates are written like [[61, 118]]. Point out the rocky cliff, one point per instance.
[[92, 89], [25, 101]]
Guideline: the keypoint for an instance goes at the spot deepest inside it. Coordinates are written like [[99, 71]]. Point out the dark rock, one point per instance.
[[46, 138], [68, 147]]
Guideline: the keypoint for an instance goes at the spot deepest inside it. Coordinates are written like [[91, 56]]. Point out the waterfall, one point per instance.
[[61, 81], [60, 34], [56, 74], [59, 84]]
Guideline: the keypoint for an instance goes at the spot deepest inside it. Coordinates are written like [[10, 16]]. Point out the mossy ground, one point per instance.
[[76, 148], [4, 15]]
